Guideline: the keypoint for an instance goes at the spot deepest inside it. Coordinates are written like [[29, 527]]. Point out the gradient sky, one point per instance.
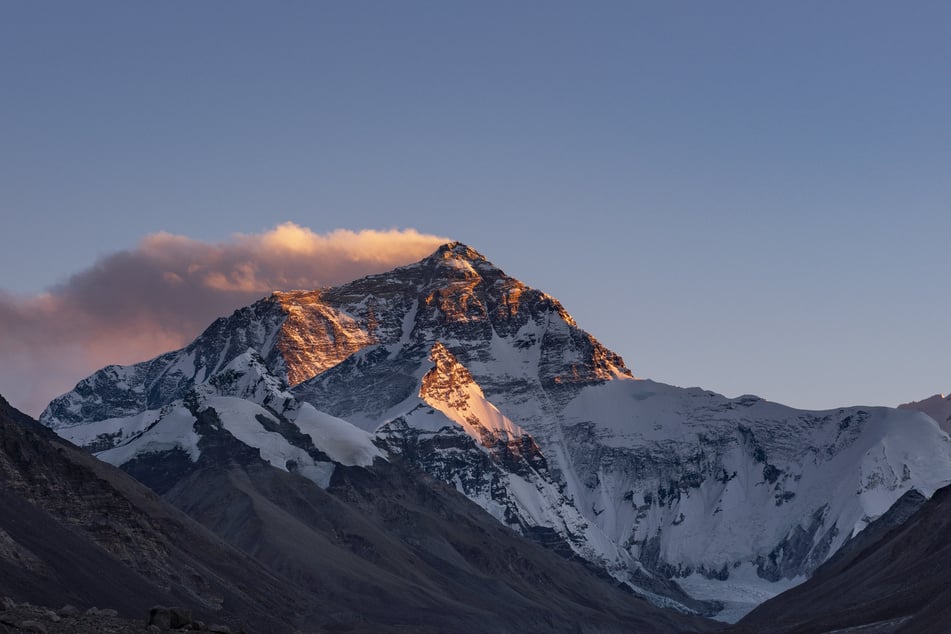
[[751, 197]]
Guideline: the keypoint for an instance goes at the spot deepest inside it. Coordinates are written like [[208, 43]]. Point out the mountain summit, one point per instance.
[[454, 295], [452, 368]]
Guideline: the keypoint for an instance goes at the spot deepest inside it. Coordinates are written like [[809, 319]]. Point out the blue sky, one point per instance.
[[750, 197]]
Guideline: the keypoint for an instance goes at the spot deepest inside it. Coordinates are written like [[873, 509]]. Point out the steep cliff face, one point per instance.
[[486, 384], [295, 334], [315, 336]]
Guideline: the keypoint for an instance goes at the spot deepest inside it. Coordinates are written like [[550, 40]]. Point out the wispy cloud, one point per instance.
[[133, 305]]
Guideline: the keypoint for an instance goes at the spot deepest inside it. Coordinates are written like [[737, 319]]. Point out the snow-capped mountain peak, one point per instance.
[[489, 385]]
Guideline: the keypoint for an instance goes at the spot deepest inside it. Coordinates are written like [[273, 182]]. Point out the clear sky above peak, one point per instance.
[[750, 197]]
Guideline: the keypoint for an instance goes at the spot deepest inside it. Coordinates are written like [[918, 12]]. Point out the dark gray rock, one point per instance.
[[160, 617], [180, 617], [32, 626]]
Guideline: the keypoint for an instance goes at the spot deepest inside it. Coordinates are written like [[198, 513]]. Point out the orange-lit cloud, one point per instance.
[[133, 305]]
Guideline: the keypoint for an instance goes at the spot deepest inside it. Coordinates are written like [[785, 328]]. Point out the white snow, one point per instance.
[[173, 430], [409, 321], [173, 427], [118, 430], [239, 417], [719, 522], [424, 418], [460, 265], [740, 594], [477, 408], [343, 442]]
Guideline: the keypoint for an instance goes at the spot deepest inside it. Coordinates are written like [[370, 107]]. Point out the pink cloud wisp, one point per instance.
[[133, 305]]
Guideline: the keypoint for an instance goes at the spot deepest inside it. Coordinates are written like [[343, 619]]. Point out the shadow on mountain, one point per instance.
[[380, 550], [396, 550], [76, 530], [895, 576]]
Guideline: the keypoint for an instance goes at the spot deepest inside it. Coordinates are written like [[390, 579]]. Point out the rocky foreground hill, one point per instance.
[[895, 577], [68, 619], [266, 550]]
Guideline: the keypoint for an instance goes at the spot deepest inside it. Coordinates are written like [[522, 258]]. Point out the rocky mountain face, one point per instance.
[[937, 406], [451, 368]]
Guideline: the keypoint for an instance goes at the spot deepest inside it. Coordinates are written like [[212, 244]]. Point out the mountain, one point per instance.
[[76, 530], [454, 369], [373, 552], [896, 580], [937, 407]]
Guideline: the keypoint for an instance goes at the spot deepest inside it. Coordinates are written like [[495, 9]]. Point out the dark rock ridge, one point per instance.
[[937, 407]]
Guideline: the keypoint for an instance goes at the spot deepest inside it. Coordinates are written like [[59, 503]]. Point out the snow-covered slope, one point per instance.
[[491, 386], [250, 404]]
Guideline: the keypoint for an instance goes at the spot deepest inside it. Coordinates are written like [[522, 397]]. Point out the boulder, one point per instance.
[[181, 617], [32, 626], [68, 611], [160, 617], [170, 618]]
